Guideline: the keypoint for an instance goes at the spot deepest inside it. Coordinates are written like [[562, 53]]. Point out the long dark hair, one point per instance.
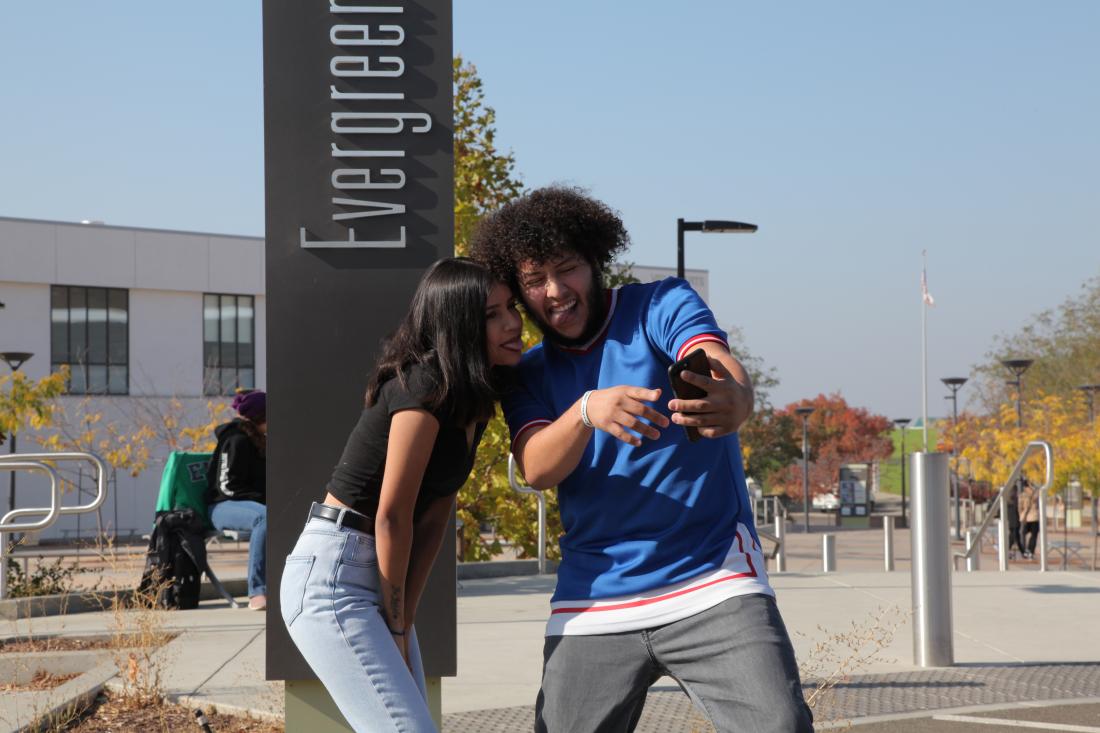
[[444, 332]]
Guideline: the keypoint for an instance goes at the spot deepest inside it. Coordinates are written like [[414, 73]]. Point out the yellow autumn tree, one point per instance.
[[25, 402], [992, 443]]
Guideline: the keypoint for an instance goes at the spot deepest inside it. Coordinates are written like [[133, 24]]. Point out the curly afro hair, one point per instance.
[[545, 224]]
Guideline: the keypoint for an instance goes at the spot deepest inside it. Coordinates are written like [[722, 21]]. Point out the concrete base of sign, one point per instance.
[[309, 707]]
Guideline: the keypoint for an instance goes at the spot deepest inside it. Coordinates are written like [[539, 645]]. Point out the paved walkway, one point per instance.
[[1020, 636]]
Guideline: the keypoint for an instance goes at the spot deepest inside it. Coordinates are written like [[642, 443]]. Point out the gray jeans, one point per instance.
[[735, 662]]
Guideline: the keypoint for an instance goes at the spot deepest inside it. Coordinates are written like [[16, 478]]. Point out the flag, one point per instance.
[[924, 294]]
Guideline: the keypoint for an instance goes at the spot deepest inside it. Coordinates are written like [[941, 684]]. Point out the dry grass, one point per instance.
[[838, 655]]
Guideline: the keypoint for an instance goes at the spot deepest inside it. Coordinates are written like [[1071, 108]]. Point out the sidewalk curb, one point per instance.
[[502, 569], [14, 609], [76, 694]]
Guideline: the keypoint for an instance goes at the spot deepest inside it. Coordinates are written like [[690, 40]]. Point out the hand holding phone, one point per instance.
[[698, 362]]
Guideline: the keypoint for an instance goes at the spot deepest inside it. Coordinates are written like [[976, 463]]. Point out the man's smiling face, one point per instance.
[[563, 297]]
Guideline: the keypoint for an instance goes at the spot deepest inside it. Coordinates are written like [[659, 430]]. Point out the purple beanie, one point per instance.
[[251, 405]]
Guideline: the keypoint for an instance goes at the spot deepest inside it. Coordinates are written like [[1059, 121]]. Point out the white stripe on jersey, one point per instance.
[[742, 572]]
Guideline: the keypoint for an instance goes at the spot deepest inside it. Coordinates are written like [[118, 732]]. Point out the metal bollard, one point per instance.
[[781, 551], [1043, 532], [828, 553], [973, 562], [1002, 536], [888, 542], [931, 550]]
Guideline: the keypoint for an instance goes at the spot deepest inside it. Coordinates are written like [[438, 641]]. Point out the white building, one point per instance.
[[699, 279], [141, 317]]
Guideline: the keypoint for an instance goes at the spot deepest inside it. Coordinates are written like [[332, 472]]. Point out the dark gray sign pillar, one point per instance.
[[359, 182]]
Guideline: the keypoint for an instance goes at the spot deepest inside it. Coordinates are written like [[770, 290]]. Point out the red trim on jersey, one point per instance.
[[696, 340], [528, 425], [648, 601], [748, 557]]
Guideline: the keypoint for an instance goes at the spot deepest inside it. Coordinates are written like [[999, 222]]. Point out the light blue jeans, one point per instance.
[[329, 596], [250, 515]]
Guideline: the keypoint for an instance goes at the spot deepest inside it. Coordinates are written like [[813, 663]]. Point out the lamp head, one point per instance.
[[804, 411], [954, 382], [15, 359], [901, 422], [719, 225], [1017, 366]]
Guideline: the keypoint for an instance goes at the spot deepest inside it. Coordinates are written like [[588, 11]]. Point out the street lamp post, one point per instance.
[[14, 359], [709, 225], [804, 413], [901, 423], [1018, 367], [955, 384], [1090, 391]]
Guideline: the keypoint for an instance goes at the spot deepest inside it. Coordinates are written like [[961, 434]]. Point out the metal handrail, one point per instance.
[[38, 461], [1000, 500], [95, 460], [513, 479], [53, 511]]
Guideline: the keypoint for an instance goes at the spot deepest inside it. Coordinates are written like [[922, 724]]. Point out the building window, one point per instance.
[[90, 334], [228, 343]]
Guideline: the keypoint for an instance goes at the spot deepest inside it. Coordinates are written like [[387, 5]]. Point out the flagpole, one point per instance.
[[924, 347]]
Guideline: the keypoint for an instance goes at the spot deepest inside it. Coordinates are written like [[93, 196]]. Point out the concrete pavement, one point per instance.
[[1021, 635]]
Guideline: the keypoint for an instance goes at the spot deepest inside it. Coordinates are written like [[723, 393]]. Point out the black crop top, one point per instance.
[[357, 478]]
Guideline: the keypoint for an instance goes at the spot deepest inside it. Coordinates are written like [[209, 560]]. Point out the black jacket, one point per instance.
[[237, 470]]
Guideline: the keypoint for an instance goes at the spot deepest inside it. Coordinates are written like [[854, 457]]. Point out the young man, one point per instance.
[[661, 569]]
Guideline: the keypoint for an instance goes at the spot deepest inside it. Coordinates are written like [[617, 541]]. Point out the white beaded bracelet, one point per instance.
[[584, 409]]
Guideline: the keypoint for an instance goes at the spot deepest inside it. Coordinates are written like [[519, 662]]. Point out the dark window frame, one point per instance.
[[80, 365], [211, 386]]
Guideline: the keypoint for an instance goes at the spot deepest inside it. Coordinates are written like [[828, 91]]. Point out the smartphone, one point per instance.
[[698, 362]]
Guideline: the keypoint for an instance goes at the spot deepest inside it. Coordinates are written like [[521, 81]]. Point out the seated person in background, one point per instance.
[[237, 485]]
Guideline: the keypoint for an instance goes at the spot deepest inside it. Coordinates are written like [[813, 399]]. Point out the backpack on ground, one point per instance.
[[175, 560]]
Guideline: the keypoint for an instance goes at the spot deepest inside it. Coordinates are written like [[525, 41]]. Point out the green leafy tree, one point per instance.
[[768, 445], [485, 177], [1065, 344], [485, 180]]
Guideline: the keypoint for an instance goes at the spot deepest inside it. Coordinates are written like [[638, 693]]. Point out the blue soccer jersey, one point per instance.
[[654, 533]]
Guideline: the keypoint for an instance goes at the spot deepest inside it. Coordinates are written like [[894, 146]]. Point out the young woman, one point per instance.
[[350, 588], [236, 492]]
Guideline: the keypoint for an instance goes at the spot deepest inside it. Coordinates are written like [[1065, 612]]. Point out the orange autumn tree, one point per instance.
[[838, 434]]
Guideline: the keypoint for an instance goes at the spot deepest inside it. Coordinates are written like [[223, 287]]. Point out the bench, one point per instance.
[[1066, 549]]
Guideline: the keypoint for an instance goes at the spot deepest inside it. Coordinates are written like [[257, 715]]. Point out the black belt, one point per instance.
[[342, 517]]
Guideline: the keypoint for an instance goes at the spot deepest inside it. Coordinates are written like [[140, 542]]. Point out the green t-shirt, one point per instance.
[[183, 484]]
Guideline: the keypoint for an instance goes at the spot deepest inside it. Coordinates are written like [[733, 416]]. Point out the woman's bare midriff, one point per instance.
[[331, 500]]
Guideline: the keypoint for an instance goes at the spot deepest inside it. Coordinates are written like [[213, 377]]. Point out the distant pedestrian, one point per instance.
[[237, 485], [1013, 510], [1029, 519]]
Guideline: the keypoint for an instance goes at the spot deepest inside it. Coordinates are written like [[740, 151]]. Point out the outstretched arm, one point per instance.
[[547, 454]]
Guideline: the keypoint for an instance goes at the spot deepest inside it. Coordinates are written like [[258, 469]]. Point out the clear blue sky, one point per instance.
[[855, 134]]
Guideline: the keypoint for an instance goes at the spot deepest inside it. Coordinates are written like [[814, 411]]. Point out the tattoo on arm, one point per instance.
[[395, 602]]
